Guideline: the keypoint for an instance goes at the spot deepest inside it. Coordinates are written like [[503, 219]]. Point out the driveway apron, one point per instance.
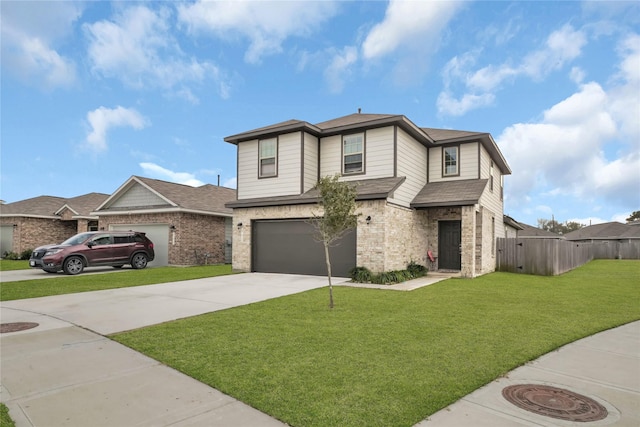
[[64, 372]]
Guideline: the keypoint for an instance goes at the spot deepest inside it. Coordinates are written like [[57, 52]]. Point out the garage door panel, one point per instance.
[[288, 246], [157, 233]]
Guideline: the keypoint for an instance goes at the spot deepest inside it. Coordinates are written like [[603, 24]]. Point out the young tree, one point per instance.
[[338, 200]]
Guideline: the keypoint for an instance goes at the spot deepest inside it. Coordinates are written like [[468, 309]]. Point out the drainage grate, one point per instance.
[[16, 326], [554, 402]]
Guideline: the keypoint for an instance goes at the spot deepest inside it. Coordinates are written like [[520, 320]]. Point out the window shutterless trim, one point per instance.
[[275, 175], [444, 165], [362, 170]]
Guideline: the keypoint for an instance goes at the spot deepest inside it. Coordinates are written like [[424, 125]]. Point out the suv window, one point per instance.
[[102, 240], [122, 239]]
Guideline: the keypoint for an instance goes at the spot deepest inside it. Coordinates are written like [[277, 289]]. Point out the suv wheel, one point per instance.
[[139, 261], [73, 265]]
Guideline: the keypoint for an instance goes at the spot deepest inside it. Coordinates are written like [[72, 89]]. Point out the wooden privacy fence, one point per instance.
[[549, 257]]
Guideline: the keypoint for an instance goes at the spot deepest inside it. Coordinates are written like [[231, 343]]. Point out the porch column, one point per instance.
[[468, 256]]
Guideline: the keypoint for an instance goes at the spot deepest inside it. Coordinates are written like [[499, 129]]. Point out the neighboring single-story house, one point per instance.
[[188, 225], [511, 227], [34, 222], [609, 240], [419, 190], [531, 232], [615, 231]]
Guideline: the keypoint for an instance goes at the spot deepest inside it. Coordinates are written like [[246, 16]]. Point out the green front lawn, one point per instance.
[[9, 264], [388, 358], [95, 282]]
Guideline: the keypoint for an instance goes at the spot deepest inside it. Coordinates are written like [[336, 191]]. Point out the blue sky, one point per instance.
[[94, 92]]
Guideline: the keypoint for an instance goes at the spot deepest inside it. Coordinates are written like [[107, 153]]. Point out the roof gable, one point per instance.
[[143, 194]]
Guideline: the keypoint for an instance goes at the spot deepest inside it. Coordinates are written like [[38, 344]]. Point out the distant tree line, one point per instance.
[[558, 227]]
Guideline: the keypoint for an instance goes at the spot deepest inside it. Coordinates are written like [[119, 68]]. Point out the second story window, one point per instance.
[[268, 157], [450, 161], [353, 154]]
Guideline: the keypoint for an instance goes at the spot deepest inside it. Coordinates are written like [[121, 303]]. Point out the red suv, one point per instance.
[[95, 248]]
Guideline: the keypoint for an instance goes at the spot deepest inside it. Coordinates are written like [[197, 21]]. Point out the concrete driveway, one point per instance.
[[63, 373], [117, 310]]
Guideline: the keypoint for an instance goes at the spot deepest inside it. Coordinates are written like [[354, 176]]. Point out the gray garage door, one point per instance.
[[288, 246], [157, 233]]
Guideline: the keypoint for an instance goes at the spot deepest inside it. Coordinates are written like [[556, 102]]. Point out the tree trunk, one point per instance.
[[326, 257]]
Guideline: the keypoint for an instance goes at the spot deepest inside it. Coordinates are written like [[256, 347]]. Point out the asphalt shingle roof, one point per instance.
[[450, 193], [607, 230], [529, 231], [47, 206]]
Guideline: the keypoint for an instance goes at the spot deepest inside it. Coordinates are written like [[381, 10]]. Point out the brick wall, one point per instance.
[[394, 237], [30, 233], [203, 233]]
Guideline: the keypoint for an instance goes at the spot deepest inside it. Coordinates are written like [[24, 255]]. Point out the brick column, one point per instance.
[[468, 241]]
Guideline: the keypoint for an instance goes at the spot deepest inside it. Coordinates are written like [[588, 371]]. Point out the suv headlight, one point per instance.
[[52, 252]]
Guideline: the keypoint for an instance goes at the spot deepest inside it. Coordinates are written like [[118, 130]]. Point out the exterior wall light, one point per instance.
[[173, 227], [239, 225], [368, 219]]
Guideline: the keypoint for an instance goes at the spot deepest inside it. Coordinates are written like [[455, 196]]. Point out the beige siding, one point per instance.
[[412, 164], [287, 182], [310, 161], [378, 155], [330, 155], [491, 200], [468, 163], [138, 196]]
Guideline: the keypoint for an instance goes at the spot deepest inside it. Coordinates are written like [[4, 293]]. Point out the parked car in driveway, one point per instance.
[[95, 248]]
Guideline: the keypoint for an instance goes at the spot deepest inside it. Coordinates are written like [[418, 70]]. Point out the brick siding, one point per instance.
[[193, 232]]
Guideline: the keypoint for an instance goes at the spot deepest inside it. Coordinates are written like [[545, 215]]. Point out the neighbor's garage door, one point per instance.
[[288, 246], [157, 233]]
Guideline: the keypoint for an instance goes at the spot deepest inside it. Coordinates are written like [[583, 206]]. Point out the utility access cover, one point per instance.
[[554, 402]]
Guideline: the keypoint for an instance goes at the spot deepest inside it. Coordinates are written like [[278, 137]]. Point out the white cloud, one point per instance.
[[458, 107], [561, 47], [408, 24], [30, 33], [266, 24], [339, 71], [102, 119], [410, 32], [138, 49], [158, 172], [579, 148]]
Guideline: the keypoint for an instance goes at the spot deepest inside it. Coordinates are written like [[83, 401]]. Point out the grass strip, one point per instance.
[[95, 282], [9, 264], [386, 358]]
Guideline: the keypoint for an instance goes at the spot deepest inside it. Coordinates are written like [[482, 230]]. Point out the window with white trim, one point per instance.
[[353, 153], [268, 158], [450, 161]]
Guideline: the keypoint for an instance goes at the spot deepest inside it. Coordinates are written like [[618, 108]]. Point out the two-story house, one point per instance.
[[420, 191]]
